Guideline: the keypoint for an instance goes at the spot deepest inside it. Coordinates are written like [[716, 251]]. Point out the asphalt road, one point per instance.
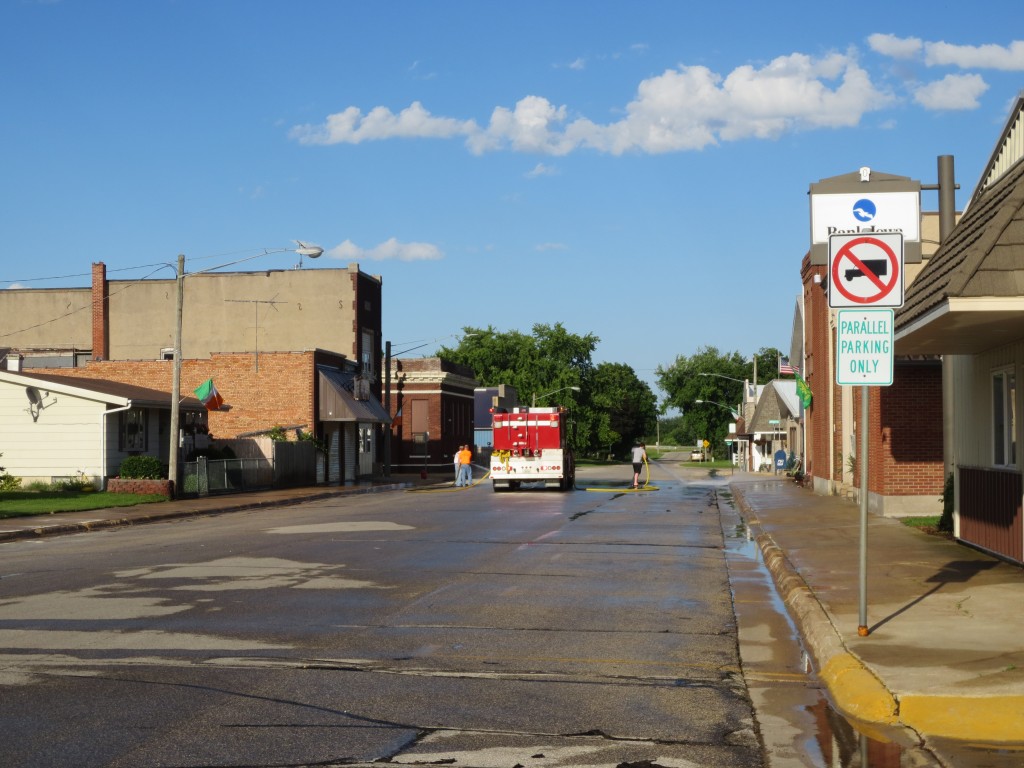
[[463, 627]]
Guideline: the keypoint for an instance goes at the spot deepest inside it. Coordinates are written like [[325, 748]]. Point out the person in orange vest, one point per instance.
[[465, 467]]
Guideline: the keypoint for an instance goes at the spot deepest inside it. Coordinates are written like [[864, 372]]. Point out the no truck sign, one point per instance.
[[866, 269]]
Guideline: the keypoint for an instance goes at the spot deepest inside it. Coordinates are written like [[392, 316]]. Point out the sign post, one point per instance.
[[865, 283]]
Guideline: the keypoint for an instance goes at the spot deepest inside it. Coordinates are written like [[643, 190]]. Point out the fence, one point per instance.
[[203, 477], [990, 511], [290, 464]]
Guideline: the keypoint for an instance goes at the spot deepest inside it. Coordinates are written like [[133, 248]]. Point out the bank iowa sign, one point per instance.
[[864, 347]]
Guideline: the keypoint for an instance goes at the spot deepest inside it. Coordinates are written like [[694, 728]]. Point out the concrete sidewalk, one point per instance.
[[945, 652]]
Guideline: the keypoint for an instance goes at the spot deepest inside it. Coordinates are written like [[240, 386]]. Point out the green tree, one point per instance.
[[613, 406], [626, 408], [544, 365], [767, 365], [717, 378], [675, 430], [550, 359]]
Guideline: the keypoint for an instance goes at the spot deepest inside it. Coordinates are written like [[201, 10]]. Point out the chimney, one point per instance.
[[100, 311]]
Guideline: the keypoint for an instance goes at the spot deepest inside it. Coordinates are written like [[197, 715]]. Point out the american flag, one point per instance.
[[785, 369]]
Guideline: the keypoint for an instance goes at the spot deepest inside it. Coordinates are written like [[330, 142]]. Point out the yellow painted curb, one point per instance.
[[997, 719], [857, 692]]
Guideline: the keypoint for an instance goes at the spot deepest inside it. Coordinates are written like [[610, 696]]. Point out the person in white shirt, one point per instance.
[[639, 458]]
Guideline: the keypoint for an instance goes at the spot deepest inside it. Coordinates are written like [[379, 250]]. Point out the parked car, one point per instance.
[[696, 455]]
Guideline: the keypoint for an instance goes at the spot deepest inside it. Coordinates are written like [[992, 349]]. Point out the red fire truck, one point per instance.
[[530, 445]]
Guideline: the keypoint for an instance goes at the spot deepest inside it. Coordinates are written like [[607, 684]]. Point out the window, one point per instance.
[[1004, 418], [367, 356], [132, 430], [418, 415]]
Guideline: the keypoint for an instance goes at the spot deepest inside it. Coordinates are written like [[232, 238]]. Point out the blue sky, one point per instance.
[[636, 170]]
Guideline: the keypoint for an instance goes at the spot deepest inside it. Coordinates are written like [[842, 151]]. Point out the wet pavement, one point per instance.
[[945, 654]]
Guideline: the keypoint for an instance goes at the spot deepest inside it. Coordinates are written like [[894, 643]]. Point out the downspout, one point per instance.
[[947, 220], [103, 441]]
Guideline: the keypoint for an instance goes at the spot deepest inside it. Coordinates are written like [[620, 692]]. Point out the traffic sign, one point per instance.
[[866, 270], [864, 347]]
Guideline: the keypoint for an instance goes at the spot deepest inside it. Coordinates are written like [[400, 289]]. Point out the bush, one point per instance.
[[142, 468], [9, 482], [946, 519], [79, 484]]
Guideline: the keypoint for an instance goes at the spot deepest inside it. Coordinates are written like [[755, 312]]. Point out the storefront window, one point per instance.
[[1004, 418]]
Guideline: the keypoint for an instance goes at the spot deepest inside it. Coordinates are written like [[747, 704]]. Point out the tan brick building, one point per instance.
[[278, 344]]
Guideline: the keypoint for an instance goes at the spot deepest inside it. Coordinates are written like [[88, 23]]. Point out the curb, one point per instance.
[[854, 688], [159, 516]]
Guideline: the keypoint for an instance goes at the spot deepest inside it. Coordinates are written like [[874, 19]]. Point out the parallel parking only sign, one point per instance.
[[864, 347], [865, 269]]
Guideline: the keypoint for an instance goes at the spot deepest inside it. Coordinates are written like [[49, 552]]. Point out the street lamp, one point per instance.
[[723, 376], [731, 410], [304, 249], [574, 389]]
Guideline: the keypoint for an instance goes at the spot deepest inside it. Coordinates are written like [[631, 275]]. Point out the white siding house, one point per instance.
[[54, 428]]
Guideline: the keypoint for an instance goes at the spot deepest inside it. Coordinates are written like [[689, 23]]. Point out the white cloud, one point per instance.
[[541, 170], [389, 250], [896, 47], [692, 107], [579, 64], [1009, 58], [682, 109], [352, 127], [952, 92], [526, 128], [418, 74]]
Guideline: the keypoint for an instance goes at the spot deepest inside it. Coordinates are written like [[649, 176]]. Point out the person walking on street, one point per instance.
[[457, 463], [465, 466], [639, 459]]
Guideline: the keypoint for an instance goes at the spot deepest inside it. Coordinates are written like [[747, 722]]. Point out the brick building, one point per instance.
[[432, 407], [905, 423], [279, 344]]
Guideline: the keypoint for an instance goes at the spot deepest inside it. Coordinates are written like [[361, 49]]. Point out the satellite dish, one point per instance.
[[33, 396]]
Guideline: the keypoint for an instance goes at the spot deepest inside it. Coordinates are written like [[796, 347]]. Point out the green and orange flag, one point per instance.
[[209, 396]]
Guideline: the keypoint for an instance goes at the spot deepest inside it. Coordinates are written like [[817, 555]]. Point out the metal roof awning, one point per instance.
[[339, 403]]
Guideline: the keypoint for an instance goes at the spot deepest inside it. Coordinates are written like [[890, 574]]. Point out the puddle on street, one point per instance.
[[799, 726]]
